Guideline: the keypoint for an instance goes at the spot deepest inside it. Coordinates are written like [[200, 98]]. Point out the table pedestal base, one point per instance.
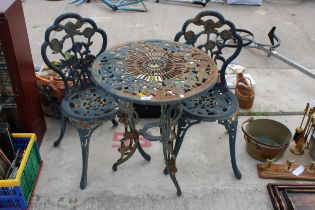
[[130, 141]]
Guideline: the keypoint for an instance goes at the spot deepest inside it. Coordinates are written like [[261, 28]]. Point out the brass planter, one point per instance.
[[265, 138]]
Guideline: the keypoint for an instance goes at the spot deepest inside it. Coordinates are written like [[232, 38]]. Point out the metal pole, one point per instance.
[[299, 67]]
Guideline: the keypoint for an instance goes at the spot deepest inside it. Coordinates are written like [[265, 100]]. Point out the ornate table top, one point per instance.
[[154, 72]]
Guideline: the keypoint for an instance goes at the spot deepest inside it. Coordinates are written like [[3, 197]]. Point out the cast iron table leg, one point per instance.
[[168, 120], [130, 141]]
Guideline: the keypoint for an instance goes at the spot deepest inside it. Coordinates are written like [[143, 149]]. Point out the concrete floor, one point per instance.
[[204, 173], [204, 169]]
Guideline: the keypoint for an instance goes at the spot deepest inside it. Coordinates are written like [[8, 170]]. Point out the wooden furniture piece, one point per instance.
[[284, 171], [19, 99], [292, 196]]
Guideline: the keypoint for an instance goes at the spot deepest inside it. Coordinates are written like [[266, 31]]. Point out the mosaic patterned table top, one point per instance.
[[154, 72]]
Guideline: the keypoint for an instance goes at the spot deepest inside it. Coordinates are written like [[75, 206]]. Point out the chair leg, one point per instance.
[[231, 126], [85, 132], [63, 122], [182, 128], [85, 135]]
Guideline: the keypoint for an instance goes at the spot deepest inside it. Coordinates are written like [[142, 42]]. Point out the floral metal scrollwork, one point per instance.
[[90, 102], [73, 37], [211, 32], [130, 140], [155, 71], [215, 102]]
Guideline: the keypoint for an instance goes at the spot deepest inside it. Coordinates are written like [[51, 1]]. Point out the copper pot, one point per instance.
[[265, 138]]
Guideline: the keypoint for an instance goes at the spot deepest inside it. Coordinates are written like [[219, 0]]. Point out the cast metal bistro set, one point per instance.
[[180, 77]]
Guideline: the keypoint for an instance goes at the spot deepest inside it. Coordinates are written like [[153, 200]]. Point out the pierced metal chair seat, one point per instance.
[[212, 33], [215, 104], [69, 41], [90, 104]]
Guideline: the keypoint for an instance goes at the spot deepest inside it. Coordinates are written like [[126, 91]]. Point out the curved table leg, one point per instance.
[[114, 122], [171, 164], [169, 118], [182, 127], [131, 135], [145, 155], [125, 151]]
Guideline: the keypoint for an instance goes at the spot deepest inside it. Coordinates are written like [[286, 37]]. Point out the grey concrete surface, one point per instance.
[[205, 173]]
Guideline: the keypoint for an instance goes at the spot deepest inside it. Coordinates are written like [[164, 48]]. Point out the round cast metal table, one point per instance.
[[153, 72]]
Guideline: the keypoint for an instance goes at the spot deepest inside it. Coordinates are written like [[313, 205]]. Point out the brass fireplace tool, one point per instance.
[[301, 136], [302, 139]]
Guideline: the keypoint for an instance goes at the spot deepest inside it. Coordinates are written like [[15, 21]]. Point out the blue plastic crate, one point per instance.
[[16, 193]]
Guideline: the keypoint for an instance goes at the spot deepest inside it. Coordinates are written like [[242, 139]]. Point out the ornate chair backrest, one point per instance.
[[69, 42], [212, 33]]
